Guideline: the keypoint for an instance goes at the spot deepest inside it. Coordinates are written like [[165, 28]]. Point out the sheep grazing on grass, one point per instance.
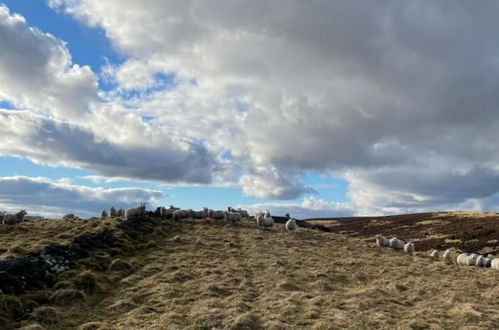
[[14, 219], [264, 220], [180, 214], [103, 214], [448, 256], [435, 254], [396, 244], [381, 240], [217, 215], [409, 247], [233, 217], [494, 264], [243, 213], [136, 211]]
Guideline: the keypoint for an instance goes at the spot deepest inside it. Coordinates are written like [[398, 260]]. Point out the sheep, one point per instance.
[[409, 247], [448, 256], [435, 254], [103, 214], [120, 213], [14, 219], [112, 212], [495, 264], [180, 214], [136, 211], [467, 259], [265, 220], [291, 224], [486, 262], [198, 214], [480, 261], [217, 215], [462, 259], [396, 244], [243, 213], [233, 217], [381, 240]]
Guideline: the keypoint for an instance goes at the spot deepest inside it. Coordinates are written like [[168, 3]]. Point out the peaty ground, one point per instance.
[[202, 275]]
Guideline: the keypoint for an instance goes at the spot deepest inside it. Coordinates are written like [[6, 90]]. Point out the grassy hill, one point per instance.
[[205, 275], [468, 231]]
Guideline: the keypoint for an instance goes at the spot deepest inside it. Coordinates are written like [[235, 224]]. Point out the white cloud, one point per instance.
[[310, 207], [42, 196]]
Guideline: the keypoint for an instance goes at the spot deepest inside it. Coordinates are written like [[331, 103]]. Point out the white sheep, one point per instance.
[[264, 220], [467, 259], [494, 264], [448, 256], [180, 214], [233, 217], [243, 213], [409, 247], [381, 240], [136, 211], [14, 219], [435, 254], [291, 225], [396, 243], [462, 259], [480, 261]]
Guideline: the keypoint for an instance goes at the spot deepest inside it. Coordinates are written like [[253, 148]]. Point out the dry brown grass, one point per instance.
[[196, 275], [33, 235]]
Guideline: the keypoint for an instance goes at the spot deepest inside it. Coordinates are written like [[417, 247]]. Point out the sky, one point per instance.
[[316, 108]]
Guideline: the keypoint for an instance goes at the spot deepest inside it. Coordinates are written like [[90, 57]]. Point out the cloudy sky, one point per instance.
[[317, 108]]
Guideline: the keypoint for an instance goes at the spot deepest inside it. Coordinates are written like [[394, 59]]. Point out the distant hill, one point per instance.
[[468, 231]]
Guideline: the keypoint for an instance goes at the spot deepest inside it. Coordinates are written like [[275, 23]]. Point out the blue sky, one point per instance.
[[177, 102]]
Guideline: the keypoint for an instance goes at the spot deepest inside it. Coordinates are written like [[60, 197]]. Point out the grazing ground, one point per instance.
[[204, 275], [33, 235], [467, 231]]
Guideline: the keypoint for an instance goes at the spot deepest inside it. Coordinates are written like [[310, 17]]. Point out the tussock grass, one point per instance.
[[201, 275]]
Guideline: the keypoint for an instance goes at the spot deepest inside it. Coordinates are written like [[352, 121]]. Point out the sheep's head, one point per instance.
[[22, 213]]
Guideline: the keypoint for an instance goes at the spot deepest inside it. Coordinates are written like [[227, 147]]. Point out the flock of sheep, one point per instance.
[[232, 215], [468, 259]]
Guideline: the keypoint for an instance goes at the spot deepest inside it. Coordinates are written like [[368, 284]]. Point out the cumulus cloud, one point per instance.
[[36, 71], [42, 196], [398, 98], [50, 141], [310, 207]]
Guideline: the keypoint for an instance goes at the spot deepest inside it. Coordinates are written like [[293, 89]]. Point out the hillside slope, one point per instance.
[[468, 231], [202, 275]]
